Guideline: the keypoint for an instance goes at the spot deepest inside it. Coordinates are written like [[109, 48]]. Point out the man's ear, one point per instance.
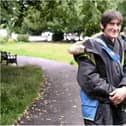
[[101, 26]]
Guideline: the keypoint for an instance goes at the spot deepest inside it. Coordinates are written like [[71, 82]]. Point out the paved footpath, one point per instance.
[[59, 102]]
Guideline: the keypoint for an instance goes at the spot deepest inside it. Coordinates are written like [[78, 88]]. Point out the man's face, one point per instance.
[[112, 29]]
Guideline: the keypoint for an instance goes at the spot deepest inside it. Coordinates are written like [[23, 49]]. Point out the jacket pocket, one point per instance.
[[89, 106]]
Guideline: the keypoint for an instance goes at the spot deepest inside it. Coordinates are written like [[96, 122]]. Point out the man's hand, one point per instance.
[[118, 95]]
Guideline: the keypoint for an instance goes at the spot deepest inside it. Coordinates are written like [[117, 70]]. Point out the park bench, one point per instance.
[[8, 57]]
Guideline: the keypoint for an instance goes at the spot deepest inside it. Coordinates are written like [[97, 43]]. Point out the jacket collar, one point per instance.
[[108, 42]]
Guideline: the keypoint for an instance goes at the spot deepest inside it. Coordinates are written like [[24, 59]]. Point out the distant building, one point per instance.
[[72, 37], [14, 36], [3, 33], [45, 36]]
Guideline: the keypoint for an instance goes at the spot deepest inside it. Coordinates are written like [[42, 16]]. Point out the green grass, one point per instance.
[[19, 87], [54, 51]]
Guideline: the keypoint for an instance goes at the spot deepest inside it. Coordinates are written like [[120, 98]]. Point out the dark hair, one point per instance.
[[110, 15]]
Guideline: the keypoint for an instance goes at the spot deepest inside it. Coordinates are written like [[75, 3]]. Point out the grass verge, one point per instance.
[[47, 50], [19, 86]]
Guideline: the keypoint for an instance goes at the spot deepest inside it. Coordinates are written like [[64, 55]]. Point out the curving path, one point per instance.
[[59, 103]]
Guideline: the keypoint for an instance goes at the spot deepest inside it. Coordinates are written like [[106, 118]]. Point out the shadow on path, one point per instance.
[[60, 102]]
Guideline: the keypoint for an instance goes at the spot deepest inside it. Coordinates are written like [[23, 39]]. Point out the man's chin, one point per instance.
[[114, 36]]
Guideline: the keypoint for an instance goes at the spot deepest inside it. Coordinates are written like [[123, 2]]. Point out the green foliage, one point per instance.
[[33, 20], [27, 16], [122, 8], [22, 37], [92, 11], [19, 86], [9, 14]]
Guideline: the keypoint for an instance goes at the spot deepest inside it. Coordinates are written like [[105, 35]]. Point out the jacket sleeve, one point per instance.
[[90, 81]]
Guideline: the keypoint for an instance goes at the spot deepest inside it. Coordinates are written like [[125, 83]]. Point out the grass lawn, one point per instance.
[[48, 50], [19, 87]]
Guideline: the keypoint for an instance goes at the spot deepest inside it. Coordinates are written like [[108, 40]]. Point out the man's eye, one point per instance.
[[118, 24], [111, 23], [115, 24]]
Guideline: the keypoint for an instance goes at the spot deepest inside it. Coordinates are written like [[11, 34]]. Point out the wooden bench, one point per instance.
[[8, 57]]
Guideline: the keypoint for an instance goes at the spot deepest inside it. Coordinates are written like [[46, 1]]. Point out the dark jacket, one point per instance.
[[102, 77]]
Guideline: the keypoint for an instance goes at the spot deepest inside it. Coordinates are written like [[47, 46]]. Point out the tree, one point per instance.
[[31, 16], [122, 8], [92, 10], [9, 14]]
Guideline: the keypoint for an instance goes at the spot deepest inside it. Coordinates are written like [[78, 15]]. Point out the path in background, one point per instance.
[[60, 102]]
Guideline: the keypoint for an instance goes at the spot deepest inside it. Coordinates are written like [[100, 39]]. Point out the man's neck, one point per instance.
[[112, 39]]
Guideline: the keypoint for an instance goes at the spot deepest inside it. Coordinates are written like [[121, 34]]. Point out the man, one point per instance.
[[102, 73]]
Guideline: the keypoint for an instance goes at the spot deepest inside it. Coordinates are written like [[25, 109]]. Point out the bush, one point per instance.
[[11, 40], [58, 36], [22, 37], [3, 39]]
